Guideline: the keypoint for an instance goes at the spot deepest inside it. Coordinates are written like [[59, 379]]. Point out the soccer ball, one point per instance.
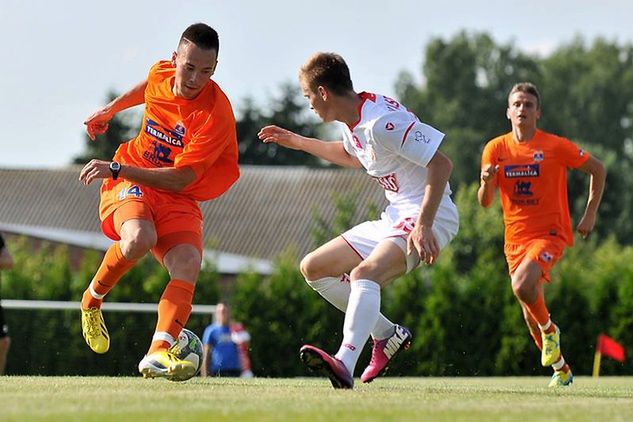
[[188, 347]]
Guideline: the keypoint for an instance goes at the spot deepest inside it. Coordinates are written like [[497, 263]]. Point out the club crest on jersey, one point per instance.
[[171, 137], [546, 257], [538, 156], [180, 128], [389, 126], [581, 152]]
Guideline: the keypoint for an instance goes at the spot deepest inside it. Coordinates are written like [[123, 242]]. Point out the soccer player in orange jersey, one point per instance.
[[529, 167], [185, 152]]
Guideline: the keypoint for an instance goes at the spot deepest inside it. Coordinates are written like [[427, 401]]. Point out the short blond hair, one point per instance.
[[526, 88], [328, 70]]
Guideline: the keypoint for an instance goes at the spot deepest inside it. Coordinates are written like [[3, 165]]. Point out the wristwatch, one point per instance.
[[115, 168]]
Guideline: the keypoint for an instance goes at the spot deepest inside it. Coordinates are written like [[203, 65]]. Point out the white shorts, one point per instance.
[[364, 237]]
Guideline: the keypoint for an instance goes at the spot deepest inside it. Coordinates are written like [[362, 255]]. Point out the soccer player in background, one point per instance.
[[401, 154], [6, 262], [185, 152], [529, 167]]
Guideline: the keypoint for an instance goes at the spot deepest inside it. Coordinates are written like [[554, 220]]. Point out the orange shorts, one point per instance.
[[545, 252], [177, 218]]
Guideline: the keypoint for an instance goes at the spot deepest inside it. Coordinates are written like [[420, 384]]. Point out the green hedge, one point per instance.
[[463, 315]]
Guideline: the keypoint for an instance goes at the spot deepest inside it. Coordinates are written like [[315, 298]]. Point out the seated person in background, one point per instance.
[[225, 347]]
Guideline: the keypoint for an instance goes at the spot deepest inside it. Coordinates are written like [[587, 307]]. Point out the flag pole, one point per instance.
[[596, 364]]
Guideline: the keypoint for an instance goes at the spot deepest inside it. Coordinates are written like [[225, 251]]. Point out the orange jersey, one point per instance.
[[177, 132], [532, 179]]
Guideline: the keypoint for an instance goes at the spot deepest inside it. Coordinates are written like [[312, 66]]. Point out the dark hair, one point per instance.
[[328, 70], [527, 88], [202, 35]]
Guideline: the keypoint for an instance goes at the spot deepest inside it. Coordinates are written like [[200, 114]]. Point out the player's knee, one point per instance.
[[137, 243], [365, 271], [521, 288], [311, 268], [5, 343], [183, 264]]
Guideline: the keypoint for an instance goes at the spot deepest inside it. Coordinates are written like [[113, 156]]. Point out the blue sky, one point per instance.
[[61, 58]]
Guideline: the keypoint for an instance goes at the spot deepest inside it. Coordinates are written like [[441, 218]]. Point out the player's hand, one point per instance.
[[422, 241], [95, 169], [489, 172], [586, 224], [281, 136], [97, 123]]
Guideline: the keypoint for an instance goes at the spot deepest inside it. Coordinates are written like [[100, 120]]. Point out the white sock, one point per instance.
[[93, 293], [546, 326], [336, 291], [559, 365], [361, 315]]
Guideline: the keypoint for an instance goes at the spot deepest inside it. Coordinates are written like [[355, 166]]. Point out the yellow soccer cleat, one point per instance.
[[561, 379], [94, 330], [164, 364], [550, 354]]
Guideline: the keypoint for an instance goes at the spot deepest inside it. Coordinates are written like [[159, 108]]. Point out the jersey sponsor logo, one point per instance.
[[171, 137], [418, 136], [522, 188], [390, 126], [389, 182], [158, 155], [357, 143], [407, 225], [349, 346], [521, 170], [538, 156]]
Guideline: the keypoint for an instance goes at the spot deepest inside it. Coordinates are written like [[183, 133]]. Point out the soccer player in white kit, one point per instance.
[[401, 154]]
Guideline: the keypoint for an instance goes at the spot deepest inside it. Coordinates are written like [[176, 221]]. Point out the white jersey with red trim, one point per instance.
[[395, 147]]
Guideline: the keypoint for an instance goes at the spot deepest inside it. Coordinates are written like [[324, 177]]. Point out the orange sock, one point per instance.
[[112, 268], [174, 309], [539, 311]]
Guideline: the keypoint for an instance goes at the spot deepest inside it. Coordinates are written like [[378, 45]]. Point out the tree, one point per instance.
[[123, 127], [465, 92], [288, 111]]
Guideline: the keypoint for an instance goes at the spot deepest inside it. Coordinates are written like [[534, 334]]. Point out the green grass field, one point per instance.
[[305, 399]]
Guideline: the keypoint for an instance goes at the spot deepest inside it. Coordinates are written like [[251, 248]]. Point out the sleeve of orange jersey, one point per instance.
[[488, 156], [571, 155], [208, 143]]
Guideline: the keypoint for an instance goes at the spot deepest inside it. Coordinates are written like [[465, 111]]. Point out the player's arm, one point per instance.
[[488, 185], [97, 123], [333, 152], [422, 238], [166, 178], [6, 260], [598, 175], [206, 357]]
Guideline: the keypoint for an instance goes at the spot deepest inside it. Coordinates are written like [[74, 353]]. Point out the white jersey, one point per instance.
[[395, 147]]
